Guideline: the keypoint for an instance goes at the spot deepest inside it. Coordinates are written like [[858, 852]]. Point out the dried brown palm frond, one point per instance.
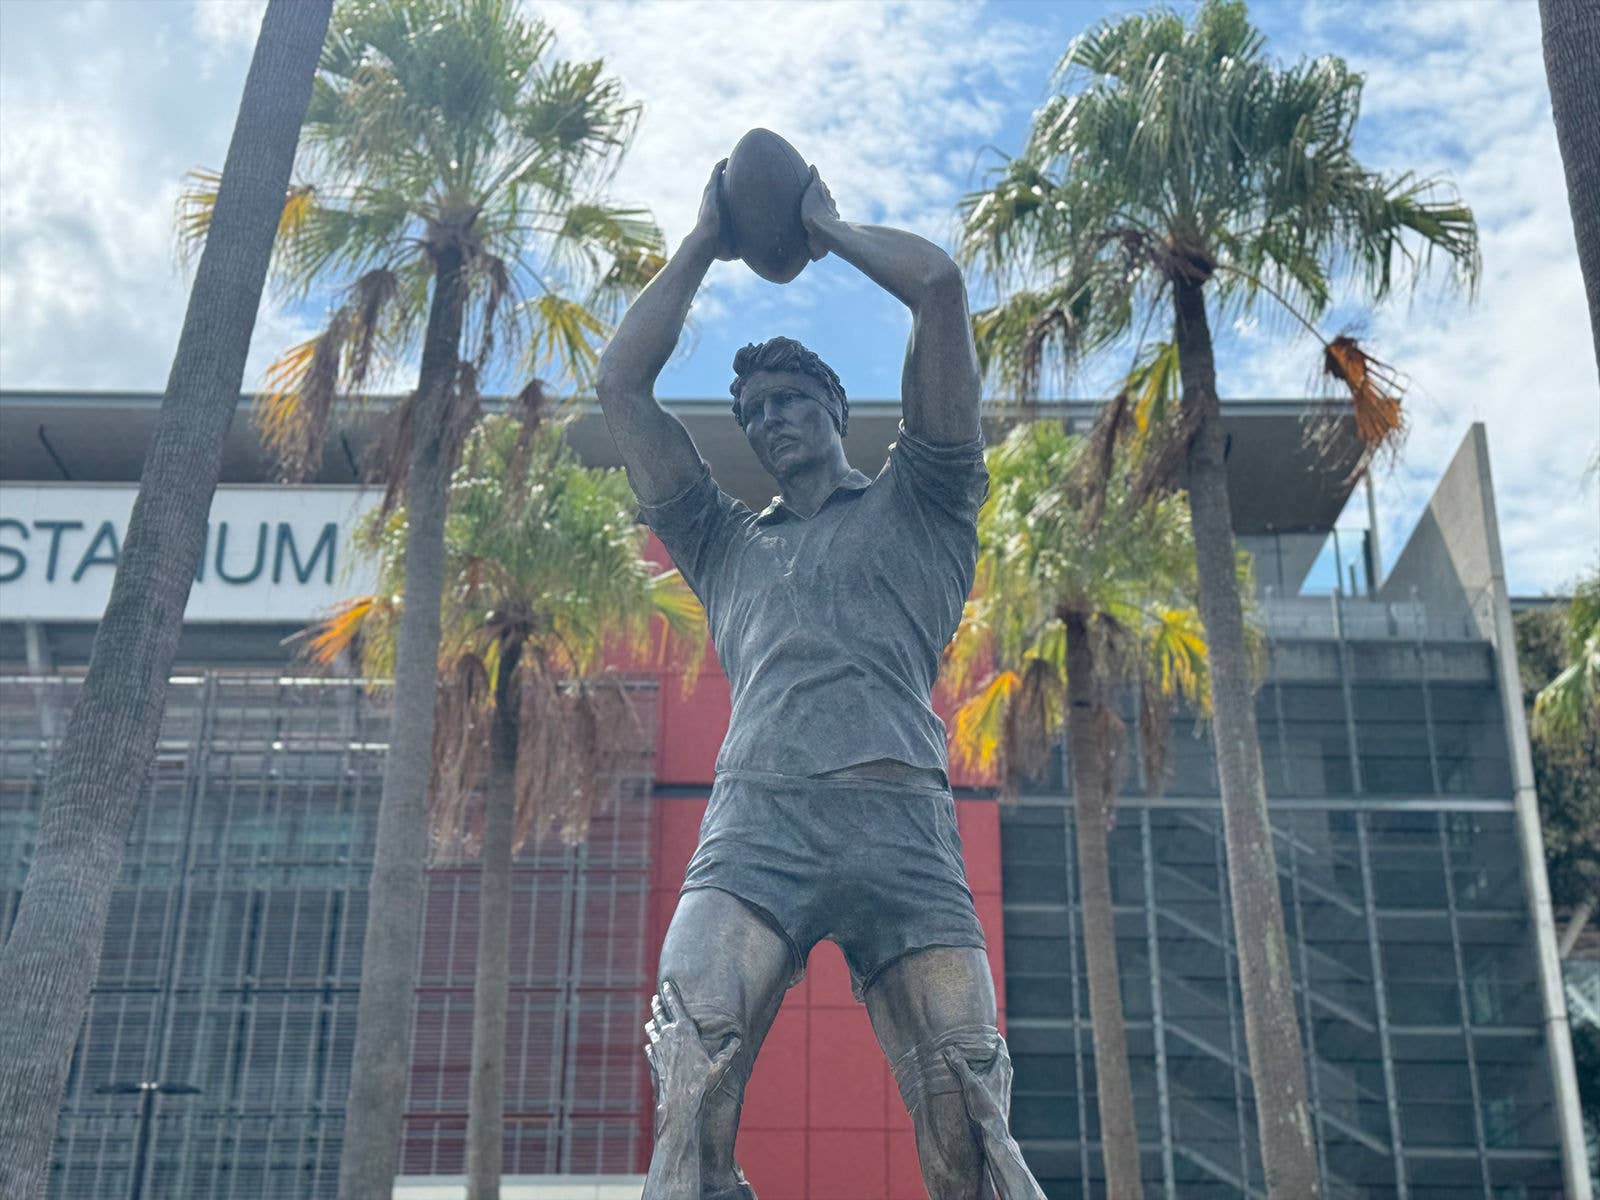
[[529, 408], [463, 712], [1164, 464], [391, 464], [1112, 425], [491, 277], [1032, 716], [1155, 730], [1375, 389], [369, 297], [300, 388], [293, 410], [578, 741]]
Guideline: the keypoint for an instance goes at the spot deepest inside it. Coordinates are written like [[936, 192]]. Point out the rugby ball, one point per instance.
[[762, 186]]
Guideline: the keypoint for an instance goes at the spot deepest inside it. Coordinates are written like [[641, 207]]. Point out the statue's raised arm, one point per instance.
[[657, 450], [939, 388]]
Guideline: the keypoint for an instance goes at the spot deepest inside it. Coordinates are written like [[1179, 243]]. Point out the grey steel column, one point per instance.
[[174, 937], [1074, 910], [1352, 741], [1465, 1008], [1374, 550], [1157, 1019], [569, 1087], [1391, 1094]]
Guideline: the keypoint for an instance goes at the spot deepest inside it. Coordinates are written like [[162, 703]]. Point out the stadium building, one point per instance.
[[215, 1058]]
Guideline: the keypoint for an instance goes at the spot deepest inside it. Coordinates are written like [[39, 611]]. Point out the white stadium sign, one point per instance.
[[272, 554]]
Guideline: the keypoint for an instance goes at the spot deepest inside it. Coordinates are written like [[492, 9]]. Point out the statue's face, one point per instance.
[[787, 421]]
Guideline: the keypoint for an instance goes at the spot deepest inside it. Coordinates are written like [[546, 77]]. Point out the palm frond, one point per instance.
[[1375, 390], [197, 201], [334, 636], [979, 722], [1570, 702], [567, 337], [299, 390], [683, 631], [1177, 648], [1569, 705]]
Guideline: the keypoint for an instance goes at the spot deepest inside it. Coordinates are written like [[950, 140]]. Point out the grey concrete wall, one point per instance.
[[1452, 557]]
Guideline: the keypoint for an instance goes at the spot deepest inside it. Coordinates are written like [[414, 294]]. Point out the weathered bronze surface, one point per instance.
[[831, 815]]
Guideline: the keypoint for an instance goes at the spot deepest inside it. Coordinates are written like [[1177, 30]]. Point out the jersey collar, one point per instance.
[[777, 511]]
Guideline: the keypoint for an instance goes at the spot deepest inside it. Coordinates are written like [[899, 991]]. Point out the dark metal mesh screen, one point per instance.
[[1415, 985], [233, 955]]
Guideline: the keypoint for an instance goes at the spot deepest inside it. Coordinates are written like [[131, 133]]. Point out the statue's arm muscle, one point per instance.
[[657, 450], [939, 387]]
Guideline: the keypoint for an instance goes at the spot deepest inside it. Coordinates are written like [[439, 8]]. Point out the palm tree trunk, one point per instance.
[[1091, 790], [1272, 1032], [97, 778], [369, 1158], [486, 1103], [1572, 65]]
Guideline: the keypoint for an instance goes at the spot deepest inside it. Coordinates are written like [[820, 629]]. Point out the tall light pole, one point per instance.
[[146, 1090]]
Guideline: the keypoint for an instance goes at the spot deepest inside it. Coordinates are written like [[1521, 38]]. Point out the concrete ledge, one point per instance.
[[524, 1187]]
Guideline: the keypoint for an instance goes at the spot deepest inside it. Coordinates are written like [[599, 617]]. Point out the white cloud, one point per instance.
[[877, 95], [93, 149], [229, 23]]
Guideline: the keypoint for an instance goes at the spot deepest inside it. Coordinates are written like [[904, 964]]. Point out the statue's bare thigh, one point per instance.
[[919, 999], [732, 969]]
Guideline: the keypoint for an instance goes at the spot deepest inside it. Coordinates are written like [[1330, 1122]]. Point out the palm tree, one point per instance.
[[451, 178], [1566, 714], [542, 584], [1176, 165], [96, 779], [1083, 589], [1571, 52]]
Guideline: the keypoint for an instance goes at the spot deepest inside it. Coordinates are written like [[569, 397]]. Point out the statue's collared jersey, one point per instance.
[[830, 628]]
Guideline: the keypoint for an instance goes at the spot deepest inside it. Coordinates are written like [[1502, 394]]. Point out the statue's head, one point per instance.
[[789, 403]]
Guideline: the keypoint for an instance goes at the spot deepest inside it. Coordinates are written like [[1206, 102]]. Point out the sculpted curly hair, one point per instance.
[[786, 354]]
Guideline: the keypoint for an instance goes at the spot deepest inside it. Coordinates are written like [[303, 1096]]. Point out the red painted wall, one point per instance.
[[822, 1119]]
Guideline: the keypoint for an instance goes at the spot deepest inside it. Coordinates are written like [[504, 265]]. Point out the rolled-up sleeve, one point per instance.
[[951, 480], [696, 527]]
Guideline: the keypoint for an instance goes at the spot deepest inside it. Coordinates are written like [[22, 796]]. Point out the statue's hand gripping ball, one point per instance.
[[762, 187]]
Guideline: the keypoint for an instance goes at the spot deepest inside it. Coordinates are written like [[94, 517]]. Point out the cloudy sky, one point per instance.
[[903, 106]]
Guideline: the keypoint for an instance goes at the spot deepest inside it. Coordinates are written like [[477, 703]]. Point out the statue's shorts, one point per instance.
[[872, 866]]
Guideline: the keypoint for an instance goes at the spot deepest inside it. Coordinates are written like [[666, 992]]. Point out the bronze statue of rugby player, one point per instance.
[[831, 814]]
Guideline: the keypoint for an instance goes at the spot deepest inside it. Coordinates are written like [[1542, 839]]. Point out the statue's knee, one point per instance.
[[948, 1152], [922, 1072], [717, 1026]]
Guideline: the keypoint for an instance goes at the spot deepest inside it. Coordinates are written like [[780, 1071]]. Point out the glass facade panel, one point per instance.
[[1471, 734], [1408, 932], [1351, 719], [1392, 723]]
